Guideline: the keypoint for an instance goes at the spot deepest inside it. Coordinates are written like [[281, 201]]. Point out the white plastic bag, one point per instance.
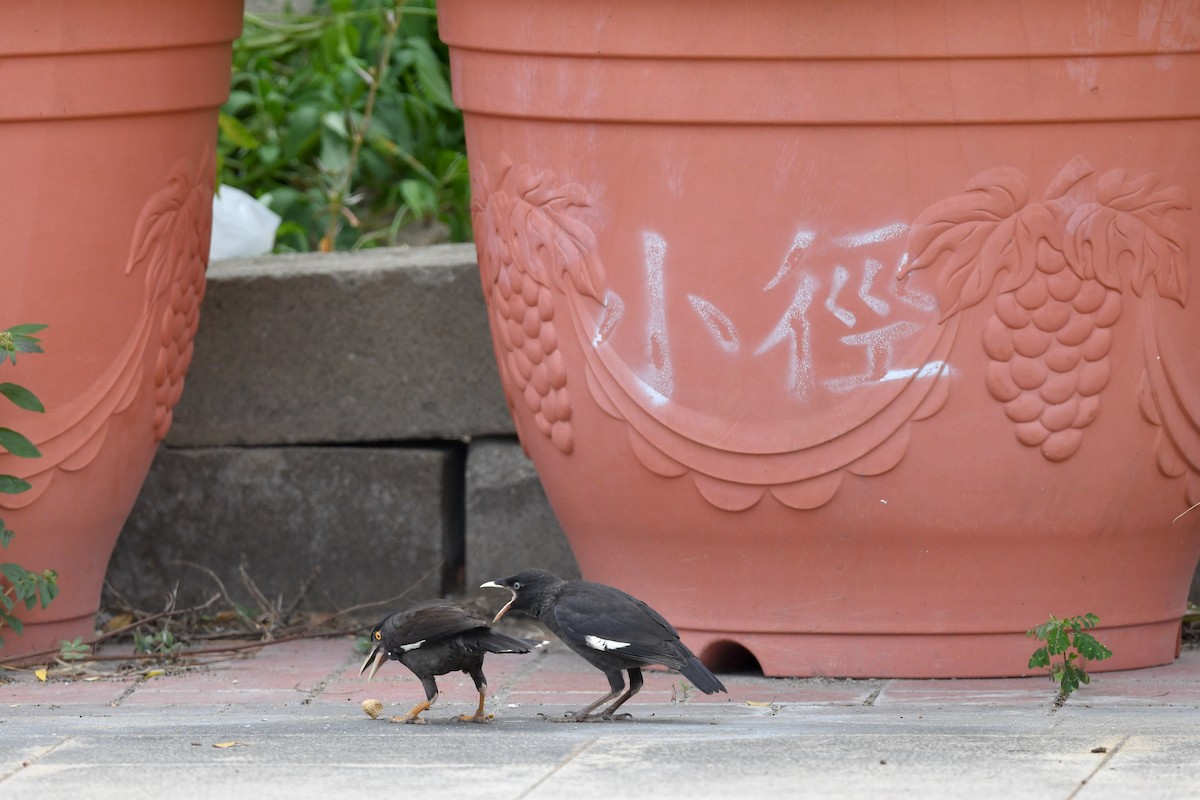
[[242, 226]]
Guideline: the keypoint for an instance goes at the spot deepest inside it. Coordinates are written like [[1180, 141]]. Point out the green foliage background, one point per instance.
[[346, 165]]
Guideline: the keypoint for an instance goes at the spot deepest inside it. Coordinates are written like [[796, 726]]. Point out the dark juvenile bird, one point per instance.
[[612, 630], [437, 637]]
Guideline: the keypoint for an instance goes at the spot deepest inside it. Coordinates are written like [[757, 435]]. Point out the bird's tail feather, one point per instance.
[[701, 678], [495, 642]]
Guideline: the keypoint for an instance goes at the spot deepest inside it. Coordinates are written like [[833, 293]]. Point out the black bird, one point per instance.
[[612, 630], [437, 637]]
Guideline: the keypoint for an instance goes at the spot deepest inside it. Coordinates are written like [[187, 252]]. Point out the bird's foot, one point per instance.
[[413, 720], [575, 716], [570, 716], [480, 718]]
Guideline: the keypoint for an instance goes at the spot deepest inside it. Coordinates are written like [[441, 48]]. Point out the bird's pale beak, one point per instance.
[[378, 656], [494, 585]]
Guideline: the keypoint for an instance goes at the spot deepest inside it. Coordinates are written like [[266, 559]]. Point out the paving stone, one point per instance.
[[372, 519], [950, 739], [60, 693], [975, 691], [197, 696], [510, 525]]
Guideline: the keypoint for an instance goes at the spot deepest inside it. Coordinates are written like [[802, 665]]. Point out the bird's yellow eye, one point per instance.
[[378, 636]]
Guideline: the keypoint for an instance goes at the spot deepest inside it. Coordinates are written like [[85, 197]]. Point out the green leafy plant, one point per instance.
[[342, 122], [17, 584], [1067, 638], [162, 643], [75, 650]]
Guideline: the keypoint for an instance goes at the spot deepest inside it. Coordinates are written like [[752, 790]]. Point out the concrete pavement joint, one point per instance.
[[557, 767], [316, 691], [27, 763], [124, 695], [1107, 757]]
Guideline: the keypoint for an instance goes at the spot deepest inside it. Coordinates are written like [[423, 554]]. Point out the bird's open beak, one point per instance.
[[378, 656], [494, 585]]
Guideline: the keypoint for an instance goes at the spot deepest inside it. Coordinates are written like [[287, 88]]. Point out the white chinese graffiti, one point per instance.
[[872, 326]]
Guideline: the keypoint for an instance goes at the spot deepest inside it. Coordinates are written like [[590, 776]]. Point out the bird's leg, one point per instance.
[[616, 682], [480, 684], [413, 717], [635, 686]]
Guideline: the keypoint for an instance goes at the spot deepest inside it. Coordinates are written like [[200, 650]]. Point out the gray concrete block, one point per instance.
[[510, 525], [375, 520], [371, 346]]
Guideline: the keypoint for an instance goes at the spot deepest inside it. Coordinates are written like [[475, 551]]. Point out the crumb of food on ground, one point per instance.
[[372, 708]]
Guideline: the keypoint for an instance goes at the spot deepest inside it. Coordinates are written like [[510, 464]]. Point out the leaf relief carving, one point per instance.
[[1126, 231]]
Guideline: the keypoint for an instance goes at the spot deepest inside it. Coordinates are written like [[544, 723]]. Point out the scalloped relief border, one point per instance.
[[181, 212], [802, 477], [956, 234]]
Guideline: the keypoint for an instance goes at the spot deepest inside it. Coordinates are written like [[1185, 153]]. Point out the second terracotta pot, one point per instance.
[[857, 340]]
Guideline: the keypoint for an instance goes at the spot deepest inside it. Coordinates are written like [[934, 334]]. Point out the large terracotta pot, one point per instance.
[[857, 336], [108, 130]]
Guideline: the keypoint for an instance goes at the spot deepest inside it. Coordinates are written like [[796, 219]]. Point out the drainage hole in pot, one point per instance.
[[730, 657]]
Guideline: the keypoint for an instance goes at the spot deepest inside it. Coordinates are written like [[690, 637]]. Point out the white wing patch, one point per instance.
[[413, 646], [596, 643]]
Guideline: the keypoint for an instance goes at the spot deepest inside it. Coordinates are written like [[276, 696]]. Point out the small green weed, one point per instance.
[[682, 693], [1067, 638], [162, 643], [75, 650]]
